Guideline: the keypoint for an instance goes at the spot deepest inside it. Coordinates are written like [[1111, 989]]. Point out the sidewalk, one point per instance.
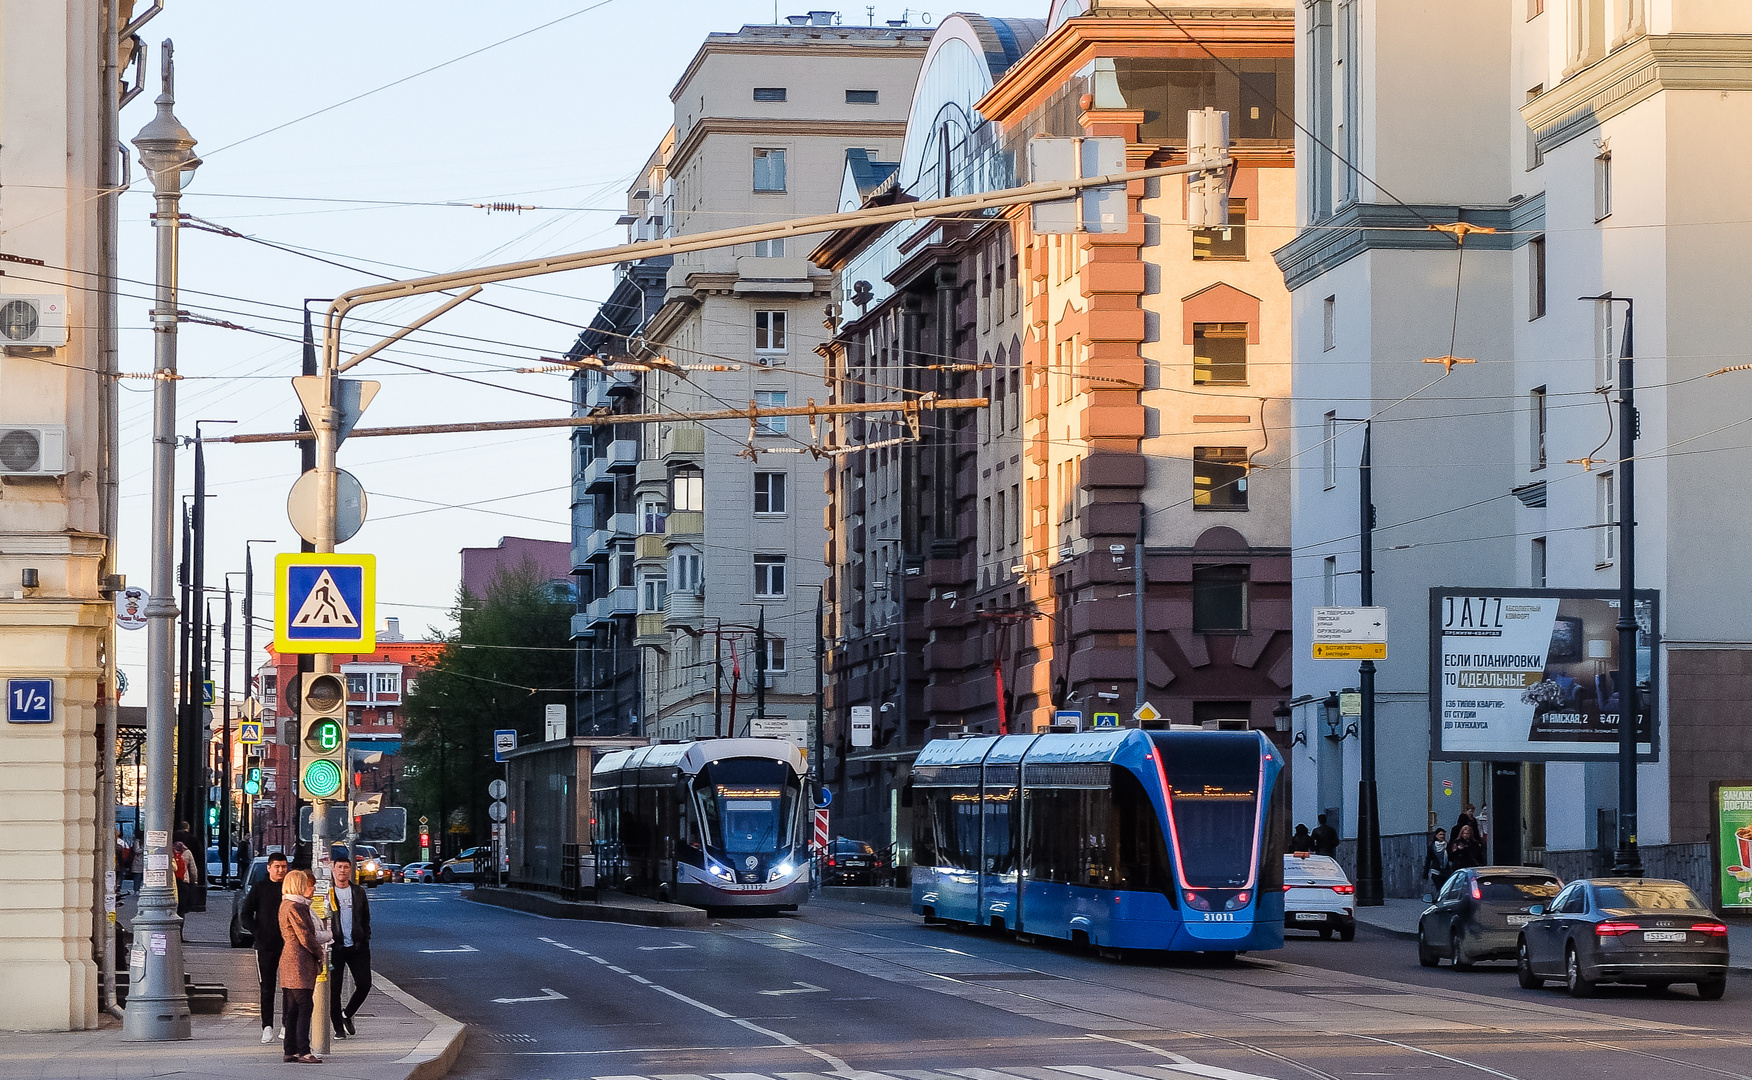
[[400, 1037]]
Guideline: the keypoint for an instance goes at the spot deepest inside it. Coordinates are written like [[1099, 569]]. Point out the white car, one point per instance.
[[1317, 896]]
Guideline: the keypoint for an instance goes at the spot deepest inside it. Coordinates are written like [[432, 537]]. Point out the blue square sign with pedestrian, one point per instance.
[[325, 603]]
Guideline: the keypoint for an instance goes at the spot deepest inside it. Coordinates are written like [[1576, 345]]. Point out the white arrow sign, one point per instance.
[[546, 995], [465, 948], [808, 988]]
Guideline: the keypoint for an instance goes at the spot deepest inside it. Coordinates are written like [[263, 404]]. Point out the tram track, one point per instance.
[[1287, 1027]]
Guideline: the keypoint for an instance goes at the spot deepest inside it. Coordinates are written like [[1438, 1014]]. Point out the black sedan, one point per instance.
[[1479, 913], [851, 861], [1625, 930]]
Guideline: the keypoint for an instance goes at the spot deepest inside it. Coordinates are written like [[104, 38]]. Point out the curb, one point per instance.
[[657, 914], [436, 1053]]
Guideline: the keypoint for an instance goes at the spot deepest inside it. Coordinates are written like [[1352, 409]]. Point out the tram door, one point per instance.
[[999, 805]]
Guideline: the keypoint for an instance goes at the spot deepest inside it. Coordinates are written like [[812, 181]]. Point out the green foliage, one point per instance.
[[506, 661]]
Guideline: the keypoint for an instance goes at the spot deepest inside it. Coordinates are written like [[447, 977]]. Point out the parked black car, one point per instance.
[[1625, 930], [1479, 913], [852, 862], [242, 934]]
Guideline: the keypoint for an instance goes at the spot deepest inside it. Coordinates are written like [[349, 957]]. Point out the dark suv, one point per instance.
[[851, 862]]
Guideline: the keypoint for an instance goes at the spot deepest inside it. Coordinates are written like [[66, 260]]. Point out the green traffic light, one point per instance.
[[321, 779]]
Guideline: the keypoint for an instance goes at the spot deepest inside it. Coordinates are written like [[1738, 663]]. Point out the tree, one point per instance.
[[506, 661]]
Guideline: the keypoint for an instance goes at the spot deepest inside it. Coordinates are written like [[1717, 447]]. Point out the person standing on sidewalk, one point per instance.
[[261, 913], [300, 961], [350, 922], [1325, 838]]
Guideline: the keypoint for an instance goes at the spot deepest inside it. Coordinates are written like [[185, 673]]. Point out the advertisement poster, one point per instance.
[[1734, 846], [1532, 674]]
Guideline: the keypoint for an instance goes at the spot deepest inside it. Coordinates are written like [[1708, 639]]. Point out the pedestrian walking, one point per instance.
[[1466, 849], [1325, 838], [261, 913], [350, 922], [300, 961], [1300, 842], [1436, 861]]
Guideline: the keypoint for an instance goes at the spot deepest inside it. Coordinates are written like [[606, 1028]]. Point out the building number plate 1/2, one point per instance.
[[30, 701]]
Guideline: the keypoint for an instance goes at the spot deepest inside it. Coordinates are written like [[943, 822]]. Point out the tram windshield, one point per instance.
[[1213, 783], [747, 805]]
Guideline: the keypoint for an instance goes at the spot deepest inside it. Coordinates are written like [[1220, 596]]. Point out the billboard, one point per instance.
[[1733, 855], [1532, 674]]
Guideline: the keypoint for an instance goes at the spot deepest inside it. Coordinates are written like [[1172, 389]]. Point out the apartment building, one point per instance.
[[987, 578], [1588, 134], [732, 535]]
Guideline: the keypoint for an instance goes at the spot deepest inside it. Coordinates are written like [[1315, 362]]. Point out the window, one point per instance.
[[386, 718], [1219, 353], [1605, 342], [687, 490], [1537, 577], [1000, 520], [388, 682], [770, 249], [769, 331], [355, 717], [769, 93], [1536, 278], [1219, 598], [769, 170], [1329, 446], [1606, 499], [653, 593], [1329, 324], [775, 658], [685, 572], [623, 576], [1329, 581], [655, 516], [769, 576], [1229, 242], [985, 525], [358, 684], [1219, 478], [861, 97], [1603, 185], [769, 492], [1536, 428], [772, 399]]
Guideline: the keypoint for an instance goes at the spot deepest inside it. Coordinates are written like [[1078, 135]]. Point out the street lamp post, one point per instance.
[[248, 673], [1626, 860], [158, 1007]]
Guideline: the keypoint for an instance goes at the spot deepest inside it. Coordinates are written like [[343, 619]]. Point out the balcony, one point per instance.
[[686, 523], [650, 546], [684, 609], [621, 601], [605, 386], [618, 527], [682, 442], [650, 630], [619, 456]]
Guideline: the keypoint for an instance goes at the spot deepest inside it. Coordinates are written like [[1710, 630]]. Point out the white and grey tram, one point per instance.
[[715, 823]]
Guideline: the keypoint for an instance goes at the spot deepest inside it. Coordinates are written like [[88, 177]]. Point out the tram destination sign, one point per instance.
[[1533, 674]]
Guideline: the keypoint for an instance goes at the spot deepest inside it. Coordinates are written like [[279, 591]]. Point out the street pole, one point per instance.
[[225, 747], [1369, 884], [718, 681], [193, 746], [185, 663], [760, 667], [1138, 586], [248, 677], [158, 1007], [817, 765], [1627, 859]]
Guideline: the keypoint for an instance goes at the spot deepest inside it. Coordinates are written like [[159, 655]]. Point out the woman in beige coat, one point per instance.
[[300, 960]]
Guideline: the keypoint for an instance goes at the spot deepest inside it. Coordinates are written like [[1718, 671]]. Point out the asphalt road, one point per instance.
[[843, 989]]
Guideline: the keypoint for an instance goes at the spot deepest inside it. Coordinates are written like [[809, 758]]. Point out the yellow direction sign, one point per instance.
[[1350, 650], [325, 603], [1358, 633]]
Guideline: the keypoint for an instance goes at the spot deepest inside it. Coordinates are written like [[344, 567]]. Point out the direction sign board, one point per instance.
[[249, 732], [504, 741], [863, 726], [554, 719], [1071, 718], [1106, 720], [325, 603], [1358, 633]]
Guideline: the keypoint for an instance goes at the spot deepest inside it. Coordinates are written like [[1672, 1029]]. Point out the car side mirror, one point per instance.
[[1536, 909]]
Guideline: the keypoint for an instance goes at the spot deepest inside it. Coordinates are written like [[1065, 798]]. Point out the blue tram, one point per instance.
[[715, 823], [1162, 840]]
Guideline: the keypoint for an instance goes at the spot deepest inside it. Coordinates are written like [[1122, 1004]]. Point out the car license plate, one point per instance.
[[1663, 935], [1520, 920], [1310, 916]]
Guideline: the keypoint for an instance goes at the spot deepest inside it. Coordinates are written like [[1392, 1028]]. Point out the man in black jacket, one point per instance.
[[261, 911], [350, 921]]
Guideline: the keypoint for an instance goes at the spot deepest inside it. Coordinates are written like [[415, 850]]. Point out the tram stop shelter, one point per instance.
[[548, 828]]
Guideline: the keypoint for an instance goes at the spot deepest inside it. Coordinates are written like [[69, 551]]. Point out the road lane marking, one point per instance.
[[808, 988], [465, 948], [619, 970], [662, 948], [546, 995], [640, 979], [1146, 1047]]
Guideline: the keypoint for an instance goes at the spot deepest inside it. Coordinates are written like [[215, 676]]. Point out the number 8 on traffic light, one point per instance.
[[324, 712]]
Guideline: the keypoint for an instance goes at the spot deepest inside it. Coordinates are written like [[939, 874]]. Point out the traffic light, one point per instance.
[[212, 817], [1207, 197], [252, 781], [323, 715]]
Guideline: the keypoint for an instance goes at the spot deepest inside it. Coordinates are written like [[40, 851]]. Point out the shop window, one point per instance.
[[1219, 478]]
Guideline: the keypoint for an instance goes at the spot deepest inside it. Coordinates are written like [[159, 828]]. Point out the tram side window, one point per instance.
[[925, 825], [956, 813], [1141, 854], [1271, 860], [1067, 836], [1000, 831]]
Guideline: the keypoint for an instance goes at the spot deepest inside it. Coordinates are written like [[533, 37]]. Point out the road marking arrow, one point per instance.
[[546, 995], [808, 988], [465, 948]]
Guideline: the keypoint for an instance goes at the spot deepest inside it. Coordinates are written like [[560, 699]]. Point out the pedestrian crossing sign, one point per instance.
[[249, 732], [325, 603]]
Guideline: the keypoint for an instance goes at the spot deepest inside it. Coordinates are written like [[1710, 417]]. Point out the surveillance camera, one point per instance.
[[1116, 550], [912, 571], [1106, 696], [888, 706]]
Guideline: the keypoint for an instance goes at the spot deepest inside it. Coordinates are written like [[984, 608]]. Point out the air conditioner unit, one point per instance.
[[39, 321], [38, 450], [772, 679]]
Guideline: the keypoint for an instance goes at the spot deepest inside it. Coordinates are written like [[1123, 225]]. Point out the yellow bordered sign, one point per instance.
[[325, 603]]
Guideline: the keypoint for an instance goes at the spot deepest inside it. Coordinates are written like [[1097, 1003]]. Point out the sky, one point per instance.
[[409, 130]]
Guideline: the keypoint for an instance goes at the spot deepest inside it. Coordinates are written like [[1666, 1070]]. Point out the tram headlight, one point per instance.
[[782, 870], [720, 870]]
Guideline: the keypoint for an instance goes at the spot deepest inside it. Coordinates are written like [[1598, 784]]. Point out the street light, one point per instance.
[[1627, 860], [158, 1007]]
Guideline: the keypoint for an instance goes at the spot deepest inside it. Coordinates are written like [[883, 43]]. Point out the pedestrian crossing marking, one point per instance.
[[325, 606]]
